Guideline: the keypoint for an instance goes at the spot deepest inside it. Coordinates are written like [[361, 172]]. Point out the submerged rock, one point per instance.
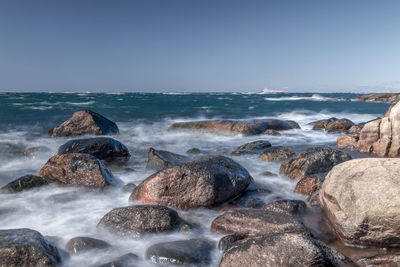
[[24, 183], [278, 153], [25, 248], [11, 150], [312, 161], [286, 249], [31, 152], [181, 252], [294, 124], [128, 188], [77, 169], [247, 127], [193, 150], [127, 260], [362, 201], [82, 244], [254, 222], [104, 148], [160, 159], [252, 147], [203, 182], [85, 122], [135, 221]]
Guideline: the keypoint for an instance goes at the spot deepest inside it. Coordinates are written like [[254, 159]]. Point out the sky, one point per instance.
[[199, 46]]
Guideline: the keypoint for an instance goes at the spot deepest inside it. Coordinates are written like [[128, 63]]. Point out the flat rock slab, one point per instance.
[[203, 182], [85, 122], [104, 148], [254, 222], [135, 221], [26, 248], [77, 169], [312, 161], [249, 127], [281, 250], [361, 198]]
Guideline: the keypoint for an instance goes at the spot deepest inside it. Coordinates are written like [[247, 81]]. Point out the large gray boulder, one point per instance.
[[202, 182], [26, 248], [281, 250], [85, 122], [362, 200]]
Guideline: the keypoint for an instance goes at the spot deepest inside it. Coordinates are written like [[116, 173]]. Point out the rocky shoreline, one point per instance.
[[356, 199]]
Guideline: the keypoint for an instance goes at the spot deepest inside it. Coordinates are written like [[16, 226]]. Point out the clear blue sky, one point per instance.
[[203, 45]]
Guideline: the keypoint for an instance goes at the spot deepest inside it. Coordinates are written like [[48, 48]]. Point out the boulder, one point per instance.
[[203, 182], [312, 161], [361, 198], [355, 129], [77, 169], [294, 124], [127, 260], [288, 249], [82, 244], [368, 136], [128, 188], [379, 97], [308, 185], [193, 150], [321, 124], [181, 252], [104, 148], [24, 183], [228, 241], [278, 153], [252, 147], [25, 248], [85, 122], [341, 125], [291, 207], [348, 142], [247, 127], [160, 159], [135, 221], [255, 222]]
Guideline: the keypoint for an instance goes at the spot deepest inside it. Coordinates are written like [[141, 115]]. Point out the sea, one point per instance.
[[143, 120]]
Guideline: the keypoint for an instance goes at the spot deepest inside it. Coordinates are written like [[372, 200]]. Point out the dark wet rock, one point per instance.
[[348, 142], [268, 173], [77, 169], [251, 197], [361, 199], [321, 124], [85, 122], [203, 182], [181, 252], [294, 124], [287, 206], [341, 125], [82, 244], [308, 185], [247, 127], [312, 161], [277, 153], [127, 260], [254, 222], [287, 249], [135, 221], [254, 203], [384, 260], [193, 150], [227, 241], [104, 148], [128, 188], [252, 147], [31, 152], [160, 159], [26, 248], [271, 132], [379, 97], [24, 183]]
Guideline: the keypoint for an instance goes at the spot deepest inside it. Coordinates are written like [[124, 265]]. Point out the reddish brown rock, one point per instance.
[[248, 127], [347, 142], [85, 122], [77, 169], [341, 125], [308, 185], [312, 161], [368, 136], [355, 130], [203, 182], [255, 222]]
